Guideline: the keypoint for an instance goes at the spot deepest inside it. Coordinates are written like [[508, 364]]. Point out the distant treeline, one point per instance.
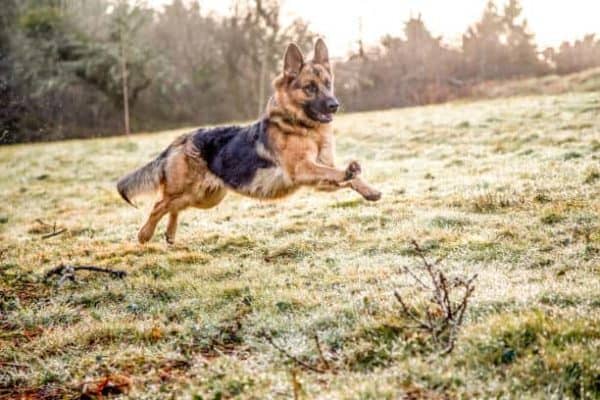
[[67, 66]]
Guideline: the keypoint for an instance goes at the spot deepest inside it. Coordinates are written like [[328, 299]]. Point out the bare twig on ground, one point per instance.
[[291, 357], [445, 316], [321, 355], [54, 232], [67, 272], [39, 221]]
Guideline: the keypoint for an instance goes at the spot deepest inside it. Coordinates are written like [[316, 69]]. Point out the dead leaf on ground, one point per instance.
[[111, 385]]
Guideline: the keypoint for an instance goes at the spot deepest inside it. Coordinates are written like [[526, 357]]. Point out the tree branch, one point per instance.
[[67, 272]]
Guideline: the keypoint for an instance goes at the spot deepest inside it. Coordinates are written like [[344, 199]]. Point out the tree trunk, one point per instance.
[[124, 77], [262, 82]]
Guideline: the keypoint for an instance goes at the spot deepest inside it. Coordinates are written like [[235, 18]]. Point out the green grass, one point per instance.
[[506, 188]]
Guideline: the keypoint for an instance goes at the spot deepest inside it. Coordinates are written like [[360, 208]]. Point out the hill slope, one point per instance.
[[584, 81], [507, 188]]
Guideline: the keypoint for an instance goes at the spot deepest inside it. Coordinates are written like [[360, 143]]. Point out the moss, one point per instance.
[[483, 251], [591, 177], [292, 251], [349, 204], [542, 198], [532, 343], [572, 155], [493, 202], [448, 222], [239, 245], [372, 346], [551, 218], [159, 272], [92, 299], [195, 258], [577, 127]]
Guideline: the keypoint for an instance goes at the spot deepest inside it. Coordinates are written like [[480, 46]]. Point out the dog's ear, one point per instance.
[[292, 61], [321, 53]]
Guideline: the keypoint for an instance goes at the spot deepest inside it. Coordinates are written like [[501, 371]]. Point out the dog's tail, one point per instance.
[[143, 180]]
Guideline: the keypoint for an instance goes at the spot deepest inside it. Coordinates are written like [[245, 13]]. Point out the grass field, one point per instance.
[[508, 189]]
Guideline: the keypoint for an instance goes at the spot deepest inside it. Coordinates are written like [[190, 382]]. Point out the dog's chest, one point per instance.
[[269, 183], [275, 180], [326, 153]]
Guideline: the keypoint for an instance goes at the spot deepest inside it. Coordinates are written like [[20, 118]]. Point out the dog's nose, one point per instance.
[[332, 105]]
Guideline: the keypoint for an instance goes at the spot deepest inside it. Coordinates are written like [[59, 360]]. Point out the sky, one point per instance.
[[338, 21]]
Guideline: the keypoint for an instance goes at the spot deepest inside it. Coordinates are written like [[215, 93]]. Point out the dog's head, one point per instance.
[[305, 88]]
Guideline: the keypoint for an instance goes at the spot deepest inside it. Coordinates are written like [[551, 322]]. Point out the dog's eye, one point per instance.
[[311, 89], [328, 85]]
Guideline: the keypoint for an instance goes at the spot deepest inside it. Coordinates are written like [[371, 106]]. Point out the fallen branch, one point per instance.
[[295, 359], [39, 221], [67, 272], [55, 233]]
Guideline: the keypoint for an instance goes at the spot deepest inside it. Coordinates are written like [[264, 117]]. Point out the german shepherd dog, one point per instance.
[[290, 147]]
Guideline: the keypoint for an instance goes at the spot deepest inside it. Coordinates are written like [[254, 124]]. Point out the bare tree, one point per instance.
[[124, 80]]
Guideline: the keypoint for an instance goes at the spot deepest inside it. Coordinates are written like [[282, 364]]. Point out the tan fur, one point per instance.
[[301, 149]]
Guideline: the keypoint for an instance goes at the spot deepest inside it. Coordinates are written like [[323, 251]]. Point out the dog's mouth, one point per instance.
[[325, 118], [319, 116]]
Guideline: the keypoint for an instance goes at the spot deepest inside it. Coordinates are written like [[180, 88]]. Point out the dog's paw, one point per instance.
[[353, 170], [144, 236], [373, 195], [170, 239]]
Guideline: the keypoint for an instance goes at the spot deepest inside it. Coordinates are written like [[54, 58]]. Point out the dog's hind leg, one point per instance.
[[174, 209], [161, 208], [210, 198], [172, 227], [158, 211]]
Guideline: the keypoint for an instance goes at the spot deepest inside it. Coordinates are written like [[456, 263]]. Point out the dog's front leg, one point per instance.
[[356, 184], [312, 173], [329, 178], [360, 186]]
